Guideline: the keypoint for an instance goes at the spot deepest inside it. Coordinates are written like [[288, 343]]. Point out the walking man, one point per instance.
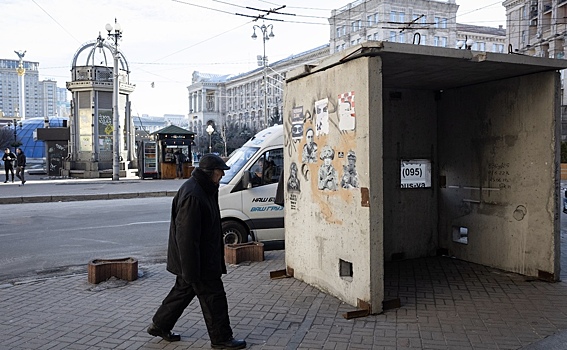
[[8, 158], [20, 165], [195, 255]]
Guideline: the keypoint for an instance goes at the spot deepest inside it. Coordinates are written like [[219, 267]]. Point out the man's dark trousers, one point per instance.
[[9, 168], [212, 298]]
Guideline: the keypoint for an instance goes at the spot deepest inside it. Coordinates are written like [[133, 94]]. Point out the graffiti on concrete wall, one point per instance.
[[347, 116], [349, 179], [293, 184], [322, 117], [309, 154], [328, 178], [297, 121]]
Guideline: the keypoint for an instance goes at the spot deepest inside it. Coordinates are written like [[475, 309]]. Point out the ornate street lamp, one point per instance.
[[15, 123], [114, 35], [210, 131], [265, 36]]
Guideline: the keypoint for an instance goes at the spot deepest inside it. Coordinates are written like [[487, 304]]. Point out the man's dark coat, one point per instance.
[[196, 247]]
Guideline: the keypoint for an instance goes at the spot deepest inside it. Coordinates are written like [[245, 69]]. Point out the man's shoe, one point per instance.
[[6, 181], [231, 343], [23, 182], [166, 335]]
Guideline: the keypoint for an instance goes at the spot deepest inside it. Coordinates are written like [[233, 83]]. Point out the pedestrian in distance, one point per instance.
[[8, 158], [195, 255], [179, 160], [20, 165]]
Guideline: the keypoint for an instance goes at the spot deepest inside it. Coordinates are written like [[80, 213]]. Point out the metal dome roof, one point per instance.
[[98, 53]]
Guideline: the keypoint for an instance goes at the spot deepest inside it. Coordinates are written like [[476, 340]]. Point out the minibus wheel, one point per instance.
[[233, 232]]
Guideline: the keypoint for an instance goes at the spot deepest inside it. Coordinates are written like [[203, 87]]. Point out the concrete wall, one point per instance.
[[410, 132], [493, 149], [334, 232], [498, 154]]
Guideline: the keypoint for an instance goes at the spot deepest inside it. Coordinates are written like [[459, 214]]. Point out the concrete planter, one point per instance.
[[237, 253], [100, 270]]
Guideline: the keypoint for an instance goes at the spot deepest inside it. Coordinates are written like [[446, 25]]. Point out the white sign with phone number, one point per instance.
[[415, 173]]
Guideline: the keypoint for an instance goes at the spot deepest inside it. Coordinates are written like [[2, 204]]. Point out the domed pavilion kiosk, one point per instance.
[[91, 120]]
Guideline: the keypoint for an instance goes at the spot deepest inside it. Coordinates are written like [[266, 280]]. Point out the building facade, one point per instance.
[[425, 22], [42, 98], [223, 100], [9, 89]]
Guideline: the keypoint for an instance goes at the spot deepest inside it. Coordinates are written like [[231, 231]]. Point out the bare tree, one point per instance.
[[6, 138]]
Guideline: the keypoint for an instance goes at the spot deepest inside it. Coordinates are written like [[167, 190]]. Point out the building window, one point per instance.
[[393, 36], [424, 19], [443, 22], [338, 32], [443, 41], [435, 41], [338, 48], [376, 36], [376, 18], [423, 40], [370, 20], [393, 16], [368, 37], [436, 22], [523, 36]]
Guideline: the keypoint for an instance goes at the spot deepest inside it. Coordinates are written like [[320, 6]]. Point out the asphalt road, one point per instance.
[[51, 238]]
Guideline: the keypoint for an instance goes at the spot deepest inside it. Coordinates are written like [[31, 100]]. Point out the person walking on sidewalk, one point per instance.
[[8, 158], [195, 255], [20, 165]]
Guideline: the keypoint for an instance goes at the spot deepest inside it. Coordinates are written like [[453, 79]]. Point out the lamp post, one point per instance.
[[466, 44], [114, 35], [265, 36], [15, 121], [210, 131]]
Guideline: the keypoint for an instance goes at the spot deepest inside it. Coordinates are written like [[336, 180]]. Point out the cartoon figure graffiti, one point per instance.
[[328, 177], [310, 149], [297, 123], [293, 184], [350, 175]]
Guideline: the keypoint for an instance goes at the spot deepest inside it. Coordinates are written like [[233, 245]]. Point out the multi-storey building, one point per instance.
[[41, 97], [63, 104], [226, 100], [427, 22], [9, 89], [538, 28], [48, 97], [487, 39]]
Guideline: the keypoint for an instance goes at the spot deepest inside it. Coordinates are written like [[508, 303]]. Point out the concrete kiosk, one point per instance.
[[410, 151]]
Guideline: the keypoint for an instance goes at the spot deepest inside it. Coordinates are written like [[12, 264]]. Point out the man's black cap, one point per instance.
[[211, 162]]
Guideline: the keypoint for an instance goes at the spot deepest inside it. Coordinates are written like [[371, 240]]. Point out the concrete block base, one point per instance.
[[237, 253], [100, 270]]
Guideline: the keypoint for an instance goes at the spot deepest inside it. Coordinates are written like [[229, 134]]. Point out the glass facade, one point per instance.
[[25, 135]]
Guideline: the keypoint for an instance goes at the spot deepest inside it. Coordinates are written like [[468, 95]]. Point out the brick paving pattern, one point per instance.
[[446, 304]]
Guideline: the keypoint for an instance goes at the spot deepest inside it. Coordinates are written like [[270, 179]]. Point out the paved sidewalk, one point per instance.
[[446, 303], [39, 188]]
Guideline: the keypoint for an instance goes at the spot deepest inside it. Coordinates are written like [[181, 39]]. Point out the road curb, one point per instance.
[[84, 197]]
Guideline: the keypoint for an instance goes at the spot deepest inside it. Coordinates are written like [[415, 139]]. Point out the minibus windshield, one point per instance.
[[237, 161]]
